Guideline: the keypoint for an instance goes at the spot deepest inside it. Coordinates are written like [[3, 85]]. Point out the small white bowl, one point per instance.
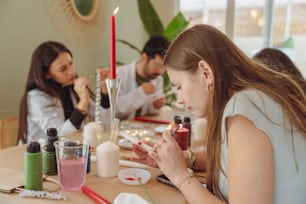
[[130, 176]]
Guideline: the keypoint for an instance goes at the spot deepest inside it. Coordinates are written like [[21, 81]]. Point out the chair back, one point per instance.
[[9, 131]]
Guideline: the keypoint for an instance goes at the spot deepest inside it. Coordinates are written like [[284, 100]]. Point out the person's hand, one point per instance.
[[169, 156], [159, 102], [148, 88], [80, 87], [104, 74], [143, 156]]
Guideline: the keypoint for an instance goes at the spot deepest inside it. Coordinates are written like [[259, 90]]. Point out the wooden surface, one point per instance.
[[109, 188]]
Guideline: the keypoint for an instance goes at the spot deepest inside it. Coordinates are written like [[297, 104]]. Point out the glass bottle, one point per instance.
[[49, 155], [187, 125]]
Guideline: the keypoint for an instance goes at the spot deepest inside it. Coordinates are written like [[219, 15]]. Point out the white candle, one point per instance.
[[90, 134], [199, 129], [107, 163]]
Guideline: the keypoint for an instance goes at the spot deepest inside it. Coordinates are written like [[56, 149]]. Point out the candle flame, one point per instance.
[[116, 10]]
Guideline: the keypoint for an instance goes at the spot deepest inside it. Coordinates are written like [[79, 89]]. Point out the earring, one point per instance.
[[210, 87]]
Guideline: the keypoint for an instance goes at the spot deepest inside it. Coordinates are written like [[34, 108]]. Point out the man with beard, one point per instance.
[[141, 89]]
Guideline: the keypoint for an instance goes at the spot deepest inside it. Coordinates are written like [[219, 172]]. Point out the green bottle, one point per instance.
[[49, 156], [33, 167]]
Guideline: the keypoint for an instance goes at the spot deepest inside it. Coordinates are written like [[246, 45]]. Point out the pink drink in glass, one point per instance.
[[72, 173]]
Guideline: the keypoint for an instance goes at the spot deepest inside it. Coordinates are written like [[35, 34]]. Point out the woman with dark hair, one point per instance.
[[279, 61], [256, 132], [54, 96]]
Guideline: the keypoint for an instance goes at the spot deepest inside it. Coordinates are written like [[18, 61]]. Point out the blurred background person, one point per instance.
[[279, 61], [141, 89]]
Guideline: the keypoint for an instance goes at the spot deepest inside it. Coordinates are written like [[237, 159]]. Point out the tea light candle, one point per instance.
[[107, 163], [181, 137], [199, 129]]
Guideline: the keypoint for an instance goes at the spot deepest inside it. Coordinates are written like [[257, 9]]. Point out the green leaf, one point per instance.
[[129, 44], [149, 17], [176, 26], [287, 43]]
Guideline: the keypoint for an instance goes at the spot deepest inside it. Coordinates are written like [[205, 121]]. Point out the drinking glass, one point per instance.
[[104, 131], [115, 129], [71, 156]]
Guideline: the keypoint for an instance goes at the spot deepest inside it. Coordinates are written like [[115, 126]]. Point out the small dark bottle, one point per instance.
[[49, 155], [177, 120], [88, 168], [187, 125], [33, 167]]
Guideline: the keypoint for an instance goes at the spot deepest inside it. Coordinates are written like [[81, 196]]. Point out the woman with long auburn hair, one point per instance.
[[256, 132]]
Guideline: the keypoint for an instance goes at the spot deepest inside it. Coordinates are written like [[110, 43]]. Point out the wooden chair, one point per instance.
[[9, 131]]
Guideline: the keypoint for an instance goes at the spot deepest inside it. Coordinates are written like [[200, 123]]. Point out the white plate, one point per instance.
[[129, 176]]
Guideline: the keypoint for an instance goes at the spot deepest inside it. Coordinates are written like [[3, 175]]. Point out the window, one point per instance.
[[251, 24]]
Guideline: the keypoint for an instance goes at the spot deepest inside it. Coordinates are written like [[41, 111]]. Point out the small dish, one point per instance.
[[134, 176]]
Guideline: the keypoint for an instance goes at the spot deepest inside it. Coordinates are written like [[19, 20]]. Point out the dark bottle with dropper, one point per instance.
[[33, 167], [177, 120], [49, 156]]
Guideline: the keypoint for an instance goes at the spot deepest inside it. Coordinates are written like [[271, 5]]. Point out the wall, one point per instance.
[[25, 24]]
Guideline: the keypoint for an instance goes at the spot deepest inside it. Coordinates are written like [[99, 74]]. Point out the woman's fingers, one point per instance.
[[104, 73]]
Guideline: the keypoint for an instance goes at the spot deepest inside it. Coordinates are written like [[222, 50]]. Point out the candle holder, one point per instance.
[[113, 86]]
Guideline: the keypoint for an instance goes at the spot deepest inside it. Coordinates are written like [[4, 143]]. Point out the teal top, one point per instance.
[[289, 154]]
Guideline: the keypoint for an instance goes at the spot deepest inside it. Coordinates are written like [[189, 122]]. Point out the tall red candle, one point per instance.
[[113, 44]]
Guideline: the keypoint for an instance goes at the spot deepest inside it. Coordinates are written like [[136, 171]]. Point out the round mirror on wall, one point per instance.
[[79, 22], [85, 9]]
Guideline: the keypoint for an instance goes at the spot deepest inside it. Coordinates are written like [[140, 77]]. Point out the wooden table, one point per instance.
[[109, 188]]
